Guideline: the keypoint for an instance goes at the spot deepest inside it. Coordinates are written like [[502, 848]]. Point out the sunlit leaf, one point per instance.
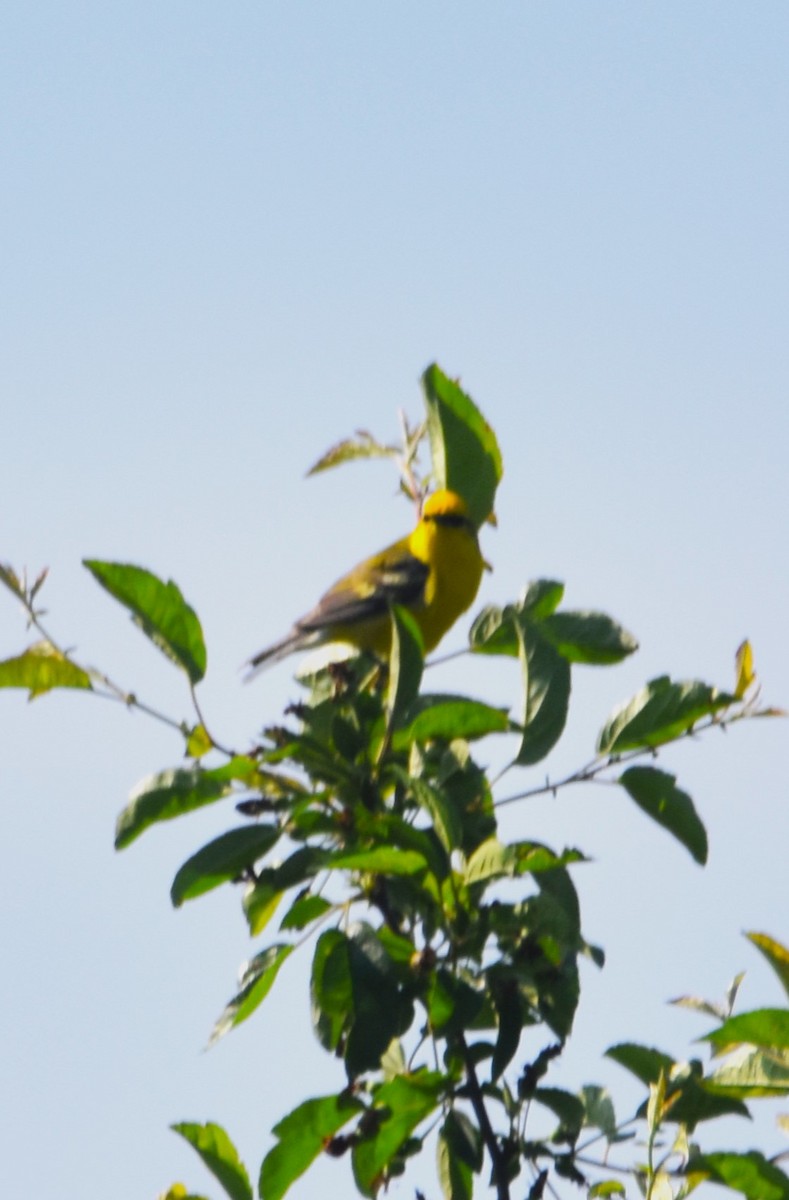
[[749, 1174], [40, 669], [257, 980], [160, 611], [198, 742], [743, 666], [465, 453], [219, 1155], [766, 1027], [776, 955], [301, 1137], [660, 712], [174, 792], [749, 1072]]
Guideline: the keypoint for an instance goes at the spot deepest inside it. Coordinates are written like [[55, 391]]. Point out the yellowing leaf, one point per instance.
[[199, 742], [743, 662]]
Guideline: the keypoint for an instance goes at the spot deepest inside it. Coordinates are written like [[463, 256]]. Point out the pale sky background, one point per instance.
[[233, 234]]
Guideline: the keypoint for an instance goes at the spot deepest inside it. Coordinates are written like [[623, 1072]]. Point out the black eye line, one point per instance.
[[452, 520]]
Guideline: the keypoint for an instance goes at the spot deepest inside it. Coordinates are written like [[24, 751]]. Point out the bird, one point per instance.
[[434, 572]]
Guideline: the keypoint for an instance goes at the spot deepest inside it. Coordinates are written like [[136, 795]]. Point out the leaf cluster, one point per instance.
[[365, 833]]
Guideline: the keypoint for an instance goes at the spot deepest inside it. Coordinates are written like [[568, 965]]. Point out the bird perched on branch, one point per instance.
[[434, 572]]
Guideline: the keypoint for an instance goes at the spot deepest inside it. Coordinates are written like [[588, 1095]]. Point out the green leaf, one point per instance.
[[492, 860], [465, 453], [747, 1074], [495, 629], [160, 611], [261, 902], [219, 1155], [765, 1027], [464, 1138], [599, 1110], [363, 445], [588, 637], [387, 860], [42, 668], [454, 1175], [445, 718], [406, 663], [749, 1174], [172, 793], [776, 955], [443, 813], [660, 712], [257, 981], [510, 1021], [644, 1062], [303, 911], [302, 1136], [356, 998], [567, 1107], [403, 1102], [221, 860], [655, 794], [546, 690], [607, 1187]]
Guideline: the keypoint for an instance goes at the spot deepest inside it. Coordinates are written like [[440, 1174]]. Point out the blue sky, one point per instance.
[[232, 235]]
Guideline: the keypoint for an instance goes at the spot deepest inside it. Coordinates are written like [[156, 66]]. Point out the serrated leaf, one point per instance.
[[776, 955], [749, 1174], [546, 694], [160, 611], [40, 669], [221, 860], [172, 793], [363, 445], [588, 637], [219, 1155], [656, 794], [464, 451], [659, 713], [302, 1136], [257, 980]]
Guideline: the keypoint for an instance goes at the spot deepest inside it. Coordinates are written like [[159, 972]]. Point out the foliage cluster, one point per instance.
[[368, 830]]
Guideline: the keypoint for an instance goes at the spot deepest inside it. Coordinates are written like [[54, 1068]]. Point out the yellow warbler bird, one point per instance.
[[434, 572]]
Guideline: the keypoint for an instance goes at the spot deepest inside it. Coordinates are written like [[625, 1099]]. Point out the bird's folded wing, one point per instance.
[[369, 593]]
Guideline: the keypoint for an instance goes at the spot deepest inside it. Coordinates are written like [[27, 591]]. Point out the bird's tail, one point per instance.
[[297, 639]]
